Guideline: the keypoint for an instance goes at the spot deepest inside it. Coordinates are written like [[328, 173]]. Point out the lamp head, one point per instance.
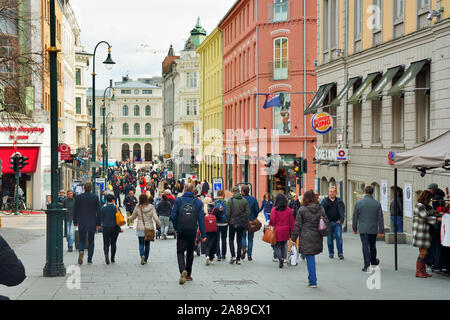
[[109, 63]]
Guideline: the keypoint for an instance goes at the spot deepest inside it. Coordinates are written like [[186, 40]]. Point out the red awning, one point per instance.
[[32, 153]]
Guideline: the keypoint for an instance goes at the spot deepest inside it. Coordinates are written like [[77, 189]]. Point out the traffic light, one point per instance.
[[23, 162], [15, 163], [298, 167]]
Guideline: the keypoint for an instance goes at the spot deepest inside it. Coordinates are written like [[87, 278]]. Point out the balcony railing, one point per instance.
[[279, 12], [280, 70]]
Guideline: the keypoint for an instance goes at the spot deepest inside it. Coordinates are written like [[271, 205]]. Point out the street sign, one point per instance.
[[64, 150], [217, 185]]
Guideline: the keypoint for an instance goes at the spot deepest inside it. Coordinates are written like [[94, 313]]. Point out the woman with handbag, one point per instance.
[[310, 216], [146, 214], [110, 228], [282, 219]]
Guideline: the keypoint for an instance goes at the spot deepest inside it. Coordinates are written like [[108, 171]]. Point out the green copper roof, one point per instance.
[[198, 30], [198, 35]]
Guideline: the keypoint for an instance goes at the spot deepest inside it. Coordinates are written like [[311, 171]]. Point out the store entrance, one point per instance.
[[282, 182], [8, 187]]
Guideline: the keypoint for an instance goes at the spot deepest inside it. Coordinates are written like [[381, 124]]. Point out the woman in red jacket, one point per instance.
[[142, 184], [282, 219]]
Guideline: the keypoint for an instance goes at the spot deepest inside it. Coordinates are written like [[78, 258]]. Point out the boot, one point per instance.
[[107, 258], [419, 268], [424, 269], [80, 257]]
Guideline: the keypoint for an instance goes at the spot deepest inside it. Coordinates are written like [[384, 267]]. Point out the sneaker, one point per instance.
[[183, 277], [365, 269], [280, 264], [142, 260], [377, 262], [70, 249], [80, 258], [238, 262], [207, 261], [219, 259], [331, 256], [107, 259], [113, 261], [312, 285], [341, 257], [244, 251], [232, 260], [89, 261], [250, 259], [275, 260]]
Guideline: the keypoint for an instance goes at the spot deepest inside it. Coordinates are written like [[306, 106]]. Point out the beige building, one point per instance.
[[384, 75]]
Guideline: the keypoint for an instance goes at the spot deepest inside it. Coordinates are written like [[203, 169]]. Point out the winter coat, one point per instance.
[[424, 216], [438, 199], [399, 207], [283, 222], [267, 206], [148, 213], [254, 207], [164, 208], [188, 197], [327, 204], [86, 211], [307, 229], [205, 188], [12, 271], [130, 203], [238, 210], [69, 204], [368, 216], [294, 205]]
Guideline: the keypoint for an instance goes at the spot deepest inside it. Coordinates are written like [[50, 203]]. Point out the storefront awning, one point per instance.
[[344, 91], [321, 94], [32, 153], [356, 98], [387, 78], [409, 75]]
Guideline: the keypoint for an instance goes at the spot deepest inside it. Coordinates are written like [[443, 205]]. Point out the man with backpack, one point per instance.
[[254, 211], [238, 213], [222, 225], [187, 216]]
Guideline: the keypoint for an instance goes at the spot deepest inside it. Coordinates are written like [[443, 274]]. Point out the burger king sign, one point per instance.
[[322, 122]]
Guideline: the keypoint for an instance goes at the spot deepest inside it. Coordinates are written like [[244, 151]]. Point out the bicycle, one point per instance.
[[9, 207]]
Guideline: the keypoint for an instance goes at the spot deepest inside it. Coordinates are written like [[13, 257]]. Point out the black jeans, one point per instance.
[[369, 249], [238, 233], [222, 233], [118, 200], [82, 239], [211, 244], [110, 235], [185, 243]]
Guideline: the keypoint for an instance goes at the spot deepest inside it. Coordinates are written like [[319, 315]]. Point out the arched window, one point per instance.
[[148, 129], [280, 59], [136, 110], [125, 152], [148, 111], [125, 111], [137, 129], [125, 129]]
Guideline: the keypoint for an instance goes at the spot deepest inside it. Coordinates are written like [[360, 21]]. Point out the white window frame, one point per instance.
[[280, 73]]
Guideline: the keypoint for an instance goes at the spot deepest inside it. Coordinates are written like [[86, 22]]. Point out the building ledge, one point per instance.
[[357, 145], [376, 145], [398, 145]]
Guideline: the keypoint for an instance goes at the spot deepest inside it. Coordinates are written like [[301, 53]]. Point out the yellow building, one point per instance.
[[210, 103], [45, 44], [382, 73]]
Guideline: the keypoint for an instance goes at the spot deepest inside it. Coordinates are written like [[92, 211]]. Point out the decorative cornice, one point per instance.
[[280, 86], [280, 31]]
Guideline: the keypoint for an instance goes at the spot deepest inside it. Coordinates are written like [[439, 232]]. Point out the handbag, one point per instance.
[[149, 233], [270, 235], [323, 227], [254, 225], [120, 219]]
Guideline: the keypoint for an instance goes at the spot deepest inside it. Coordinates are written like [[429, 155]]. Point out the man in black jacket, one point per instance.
[[130, 203], [335, 211], [12, 271], [86, 215]]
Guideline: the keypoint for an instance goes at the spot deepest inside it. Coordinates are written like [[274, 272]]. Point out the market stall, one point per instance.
[[434, 154]]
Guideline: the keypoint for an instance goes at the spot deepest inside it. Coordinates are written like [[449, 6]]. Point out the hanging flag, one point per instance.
[[272, 100]]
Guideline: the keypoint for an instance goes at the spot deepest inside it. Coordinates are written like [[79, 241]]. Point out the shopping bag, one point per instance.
[[293, 256], [270, 236], [120, 219]]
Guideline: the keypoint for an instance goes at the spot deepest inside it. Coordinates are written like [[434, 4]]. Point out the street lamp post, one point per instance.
[[108, 63], [104, 127], [54, 266], [105, 133]]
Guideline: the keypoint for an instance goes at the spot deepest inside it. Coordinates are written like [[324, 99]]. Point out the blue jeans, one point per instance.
[[250, 241], [311, 264], [144, 248], [399, 224], [336, 231], [280, 250], [70, 233]]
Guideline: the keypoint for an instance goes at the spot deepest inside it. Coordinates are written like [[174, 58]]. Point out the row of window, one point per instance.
[[137, 112], [136, 91], [137, 129]]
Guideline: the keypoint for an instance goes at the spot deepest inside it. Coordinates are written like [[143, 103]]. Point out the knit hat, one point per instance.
[[235, 189], [433, 186]]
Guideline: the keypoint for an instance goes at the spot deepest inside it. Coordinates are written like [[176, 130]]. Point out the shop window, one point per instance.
[[397, 115]]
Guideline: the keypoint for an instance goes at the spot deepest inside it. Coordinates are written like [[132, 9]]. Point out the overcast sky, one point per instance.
[[127, 25]]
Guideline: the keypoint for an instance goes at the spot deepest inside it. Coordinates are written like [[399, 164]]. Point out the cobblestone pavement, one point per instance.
[[260, 279]]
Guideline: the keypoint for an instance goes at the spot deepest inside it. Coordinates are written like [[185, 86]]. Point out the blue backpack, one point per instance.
[[217, 205]]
